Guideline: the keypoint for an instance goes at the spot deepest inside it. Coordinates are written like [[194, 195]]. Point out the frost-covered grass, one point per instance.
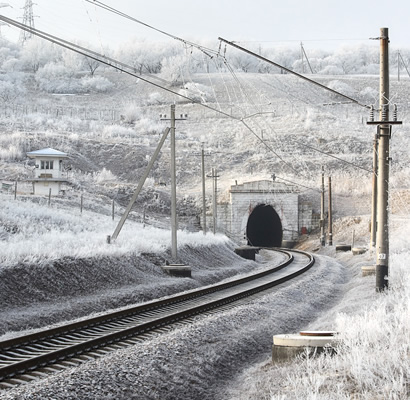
[[372, 360], [33, 233]]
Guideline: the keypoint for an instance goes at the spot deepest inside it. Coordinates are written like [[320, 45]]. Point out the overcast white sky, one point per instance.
[[318, 23]]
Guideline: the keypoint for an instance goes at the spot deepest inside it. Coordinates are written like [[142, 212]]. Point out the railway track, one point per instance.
[[31, 356]]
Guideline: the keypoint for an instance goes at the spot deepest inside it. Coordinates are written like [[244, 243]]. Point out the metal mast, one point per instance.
[[28, 19]]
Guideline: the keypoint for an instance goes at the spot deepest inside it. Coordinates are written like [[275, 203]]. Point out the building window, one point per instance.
[[47, 165]]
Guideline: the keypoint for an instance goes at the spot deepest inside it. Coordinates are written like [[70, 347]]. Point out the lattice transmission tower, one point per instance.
[[28, 19]]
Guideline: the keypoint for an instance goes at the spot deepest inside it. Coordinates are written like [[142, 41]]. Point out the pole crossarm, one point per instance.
[[384, 122], [293, 72]]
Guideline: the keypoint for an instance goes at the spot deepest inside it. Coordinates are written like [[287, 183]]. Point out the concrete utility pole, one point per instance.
[[330, 212], [384, 133], [214, 201], [203, 190], [382, 237], [322, 210], [174, 221], [374, 193]]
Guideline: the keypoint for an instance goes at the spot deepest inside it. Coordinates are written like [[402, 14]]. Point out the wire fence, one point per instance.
[[83, 113]]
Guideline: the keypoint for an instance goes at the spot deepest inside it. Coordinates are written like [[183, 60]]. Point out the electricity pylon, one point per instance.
[[28, 19]]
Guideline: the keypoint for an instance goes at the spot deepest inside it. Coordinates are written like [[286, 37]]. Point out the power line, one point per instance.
[[127, 16], [126, 69], [330, 155], [292, 72], [113, 63]]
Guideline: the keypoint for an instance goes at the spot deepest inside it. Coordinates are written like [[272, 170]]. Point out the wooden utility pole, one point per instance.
[[330, 212], [203, 190], [322, 210]]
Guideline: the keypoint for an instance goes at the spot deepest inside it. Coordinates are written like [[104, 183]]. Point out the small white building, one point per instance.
[[48, 173]]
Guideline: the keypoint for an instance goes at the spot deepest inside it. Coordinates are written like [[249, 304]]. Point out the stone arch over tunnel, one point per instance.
[[264, 227]]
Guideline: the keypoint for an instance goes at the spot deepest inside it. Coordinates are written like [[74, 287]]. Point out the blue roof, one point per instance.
[[48, 152]]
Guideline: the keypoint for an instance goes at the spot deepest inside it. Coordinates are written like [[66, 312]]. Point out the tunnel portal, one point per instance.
[[264, 227]]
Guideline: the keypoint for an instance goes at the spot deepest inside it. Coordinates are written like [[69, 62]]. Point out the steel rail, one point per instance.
[[27, 353]]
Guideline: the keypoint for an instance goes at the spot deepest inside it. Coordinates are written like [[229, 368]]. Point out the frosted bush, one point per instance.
[[146, 125], [197, 92], [113, 131], [131, 113], [11, 153], [155, 98], [97, 84], [56, 78], [331, 70], [105, 175], [341, 87], [12, 146], [11, 91], [369, 94]]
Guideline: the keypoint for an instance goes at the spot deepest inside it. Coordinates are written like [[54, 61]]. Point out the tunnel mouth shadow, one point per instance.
[[264, 227]]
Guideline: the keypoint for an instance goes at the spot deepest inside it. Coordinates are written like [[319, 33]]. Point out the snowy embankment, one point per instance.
[[221, 356], [56, 264]]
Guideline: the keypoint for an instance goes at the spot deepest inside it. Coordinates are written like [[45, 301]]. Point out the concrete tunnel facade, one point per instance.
[[263, 213]]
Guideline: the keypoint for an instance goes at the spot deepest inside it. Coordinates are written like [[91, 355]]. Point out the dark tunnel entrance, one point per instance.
[[264, 227]]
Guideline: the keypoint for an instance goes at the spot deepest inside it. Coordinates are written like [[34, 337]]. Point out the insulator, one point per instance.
[[395, 113], [385, 109], [371, 113]]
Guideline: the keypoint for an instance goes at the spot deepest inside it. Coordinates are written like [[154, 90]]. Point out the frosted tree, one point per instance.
[[10, 91], [37, 53]]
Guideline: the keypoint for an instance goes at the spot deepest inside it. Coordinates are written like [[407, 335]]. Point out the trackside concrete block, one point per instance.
[[180, 270], [246, 252], [368, 270], [287, 346], [358, 250]]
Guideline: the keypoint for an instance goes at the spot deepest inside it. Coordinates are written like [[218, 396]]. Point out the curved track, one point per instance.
[[28, 357]]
